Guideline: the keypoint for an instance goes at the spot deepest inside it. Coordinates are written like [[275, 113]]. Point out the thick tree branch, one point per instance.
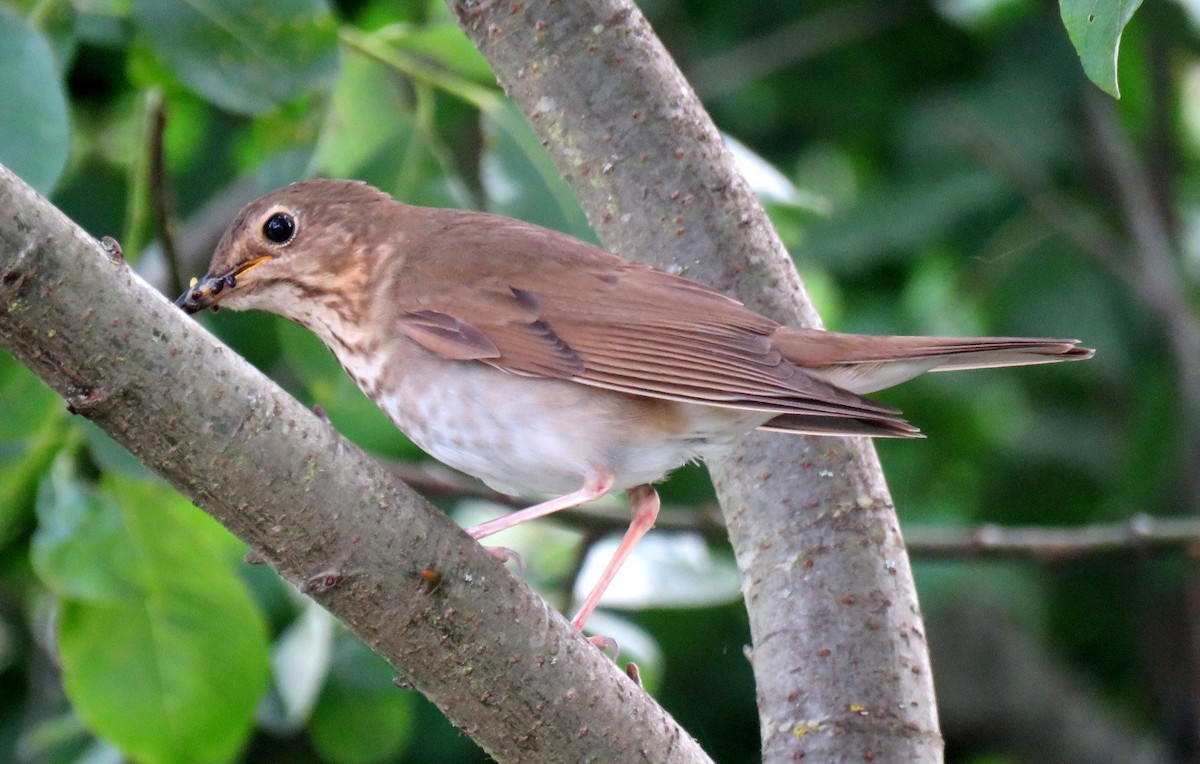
[[504, 666], [839, 651]]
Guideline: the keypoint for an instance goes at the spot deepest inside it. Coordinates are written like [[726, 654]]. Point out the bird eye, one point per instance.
[[279, 228]]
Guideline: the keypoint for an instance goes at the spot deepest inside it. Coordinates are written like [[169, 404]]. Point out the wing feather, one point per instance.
[[540, 303]]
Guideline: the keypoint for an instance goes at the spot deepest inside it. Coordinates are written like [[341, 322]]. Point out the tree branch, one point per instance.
[[806, 38], [500, 663], [1140, 534], [839, 654], [160, 204], [1165, 291]]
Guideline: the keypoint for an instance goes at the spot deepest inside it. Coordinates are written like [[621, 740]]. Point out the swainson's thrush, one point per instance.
[[544, 365]]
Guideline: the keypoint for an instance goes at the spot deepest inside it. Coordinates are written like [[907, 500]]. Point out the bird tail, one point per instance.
[[883, 426], [864, 363]]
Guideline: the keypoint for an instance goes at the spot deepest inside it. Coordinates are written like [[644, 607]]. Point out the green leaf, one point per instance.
[[103, 23], [80, 550], [1095, 28], [56, 737], [170, 660], [361, 717], [362, 117], [34, 432], [446, 44], [375, 133], [109, 455], [34, 130], [246, 56], [57, 22], [684, 570], [892, 220], [520, 177]]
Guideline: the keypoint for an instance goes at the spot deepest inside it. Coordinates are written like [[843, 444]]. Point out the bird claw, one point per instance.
[[505, 554], [603, 643]]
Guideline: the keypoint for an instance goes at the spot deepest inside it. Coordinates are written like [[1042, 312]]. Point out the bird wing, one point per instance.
[[544, 304]]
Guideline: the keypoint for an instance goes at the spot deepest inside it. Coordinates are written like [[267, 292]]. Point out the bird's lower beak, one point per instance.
[[203, 293]]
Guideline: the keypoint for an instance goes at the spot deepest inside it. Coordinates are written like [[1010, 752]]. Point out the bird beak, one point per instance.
[[203, 293]]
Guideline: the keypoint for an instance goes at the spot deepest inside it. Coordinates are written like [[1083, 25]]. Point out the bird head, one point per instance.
[[291, 246]]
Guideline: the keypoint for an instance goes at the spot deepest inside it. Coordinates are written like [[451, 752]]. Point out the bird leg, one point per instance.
[[592, 490], [643, 506]]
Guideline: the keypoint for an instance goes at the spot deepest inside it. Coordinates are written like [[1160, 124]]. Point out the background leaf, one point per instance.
[[32, 435], [361, 717], [162, 650], [243, 55], [34, 132], [1095, 27]]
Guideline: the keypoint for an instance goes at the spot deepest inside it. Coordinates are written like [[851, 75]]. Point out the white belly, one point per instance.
[[527, 436]]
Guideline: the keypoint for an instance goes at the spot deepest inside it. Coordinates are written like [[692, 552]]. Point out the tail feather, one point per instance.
[[1015, 356], [866, 363], [873, 427]]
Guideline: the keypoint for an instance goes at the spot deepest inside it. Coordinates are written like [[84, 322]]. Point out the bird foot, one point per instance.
[[603, 644], [505, 554]]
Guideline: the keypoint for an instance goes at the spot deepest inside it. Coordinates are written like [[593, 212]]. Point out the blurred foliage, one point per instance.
[[894, 144]]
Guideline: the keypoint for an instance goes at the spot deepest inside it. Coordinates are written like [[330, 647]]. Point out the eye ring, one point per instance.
[[280, 228]]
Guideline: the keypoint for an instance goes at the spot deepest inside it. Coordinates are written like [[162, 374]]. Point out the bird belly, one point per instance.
[[526, 436]]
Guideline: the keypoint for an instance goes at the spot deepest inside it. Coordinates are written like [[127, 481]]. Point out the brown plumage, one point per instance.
[[543, 364]]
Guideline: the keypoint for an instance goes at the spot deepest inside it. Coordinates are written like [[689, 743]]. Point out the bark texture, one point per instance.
[[839, 650], [502, 665]]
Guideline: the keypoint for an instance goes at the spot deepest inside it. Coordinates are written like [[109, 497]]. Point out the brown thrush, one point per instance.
[[544, 365]]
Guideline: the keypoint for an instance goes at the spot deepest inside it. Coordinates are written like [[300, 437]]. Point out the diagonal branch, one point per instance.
[[839, 653], [502, 665]]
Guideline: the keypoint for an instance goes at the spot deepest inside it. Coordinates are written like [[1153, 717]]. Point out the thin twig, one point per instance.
[[1074, 222], [1164, 292], [1153, 257], [1163, 161], [160, 208], [800, 40], [1142, 533]]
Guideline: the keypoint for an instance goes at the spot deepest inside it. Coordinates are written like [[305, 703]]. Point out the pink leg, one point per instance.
[[592, 490], [643, 505]]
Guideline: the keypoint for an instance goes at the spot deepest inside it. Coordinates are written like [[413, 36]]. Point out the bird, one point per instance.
[[546, 366]]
